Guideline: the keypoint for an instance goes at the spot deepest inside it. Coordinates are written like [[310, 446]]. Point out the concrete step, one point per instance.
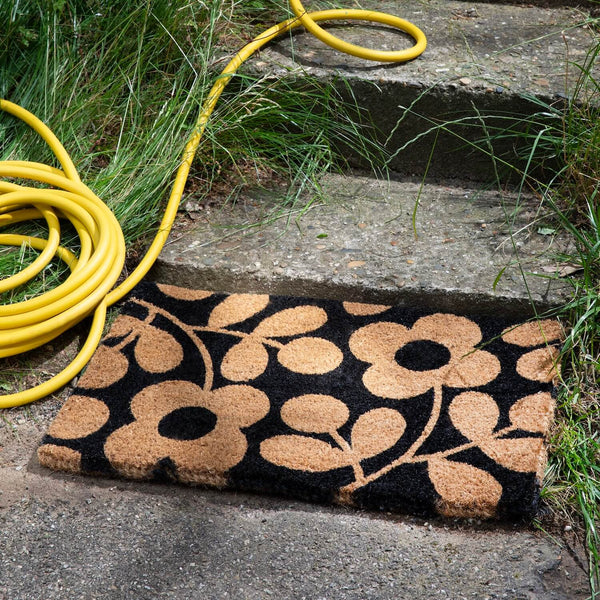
[[66, 537], [360, 245], [482, 59]]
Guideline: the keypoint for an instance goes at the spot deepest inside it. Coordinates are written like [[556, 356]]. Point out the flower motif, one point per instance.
[[60, 458], [198, 430], [438, 350]]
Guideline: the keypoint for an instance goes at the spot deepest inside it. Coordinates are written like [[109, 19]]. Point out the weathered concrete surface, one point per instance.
[[360, 245], [481, 60], [68, 537]]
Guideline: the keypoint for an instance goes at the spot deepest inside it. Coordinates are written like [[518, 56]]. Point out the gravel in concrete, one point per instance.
[[521, 48], [361, 245]]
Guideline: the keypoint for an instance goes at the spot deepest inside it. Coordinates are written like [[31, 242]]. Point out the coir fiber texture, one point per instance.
[[368, 405]]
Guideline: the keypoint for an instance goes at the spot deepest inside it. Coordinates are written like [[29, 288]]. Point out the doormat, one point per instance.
[[378, 407]]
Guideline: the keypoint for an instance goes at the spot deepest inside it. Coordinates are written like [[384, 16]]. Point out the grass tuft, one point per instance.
[[120, 84], [560, 148], [555, 153]]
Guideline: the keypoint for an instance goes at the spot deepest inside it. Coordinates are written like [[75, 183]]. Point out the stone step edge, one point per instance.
[[300, 263], [481, 59]]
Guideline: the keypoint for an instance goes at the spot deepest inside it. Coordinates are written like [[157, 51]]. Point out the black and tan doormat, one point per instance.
[[373, 406]]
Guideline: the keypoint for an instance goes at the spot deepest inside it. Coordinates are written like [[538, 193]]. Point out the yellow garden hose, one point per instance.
[[89, 288]]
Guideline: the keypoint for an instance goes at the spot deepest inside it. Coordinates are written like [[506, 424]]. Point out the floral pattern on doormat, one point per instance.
[[368, 405]]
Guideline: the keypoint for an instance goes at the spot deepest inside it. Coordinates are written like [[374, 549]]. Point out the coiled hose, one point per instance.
[[89, 288]]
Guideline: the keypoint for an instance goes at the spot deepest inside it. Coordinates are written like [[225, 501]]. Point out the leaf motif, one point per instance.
[[123, 325], [360, 309], [157, 351], [376, 431], [181, 293], [534, 333], [245, 361], [292, 321], [524, 455], [532, 413], [109, 366], [315, 413], [302, 453], [474, 414], [465, 490], [79, 417], [540, 364], [310, 356], [237, 308]]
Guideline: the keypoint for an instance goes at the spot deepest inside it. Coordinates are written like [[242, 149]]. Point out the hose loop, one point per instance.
[[90, 288], [309, 21]]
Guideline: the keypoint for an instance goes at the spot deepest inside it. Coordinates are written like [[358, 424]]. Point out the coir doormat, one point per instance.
[[367, 405]]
